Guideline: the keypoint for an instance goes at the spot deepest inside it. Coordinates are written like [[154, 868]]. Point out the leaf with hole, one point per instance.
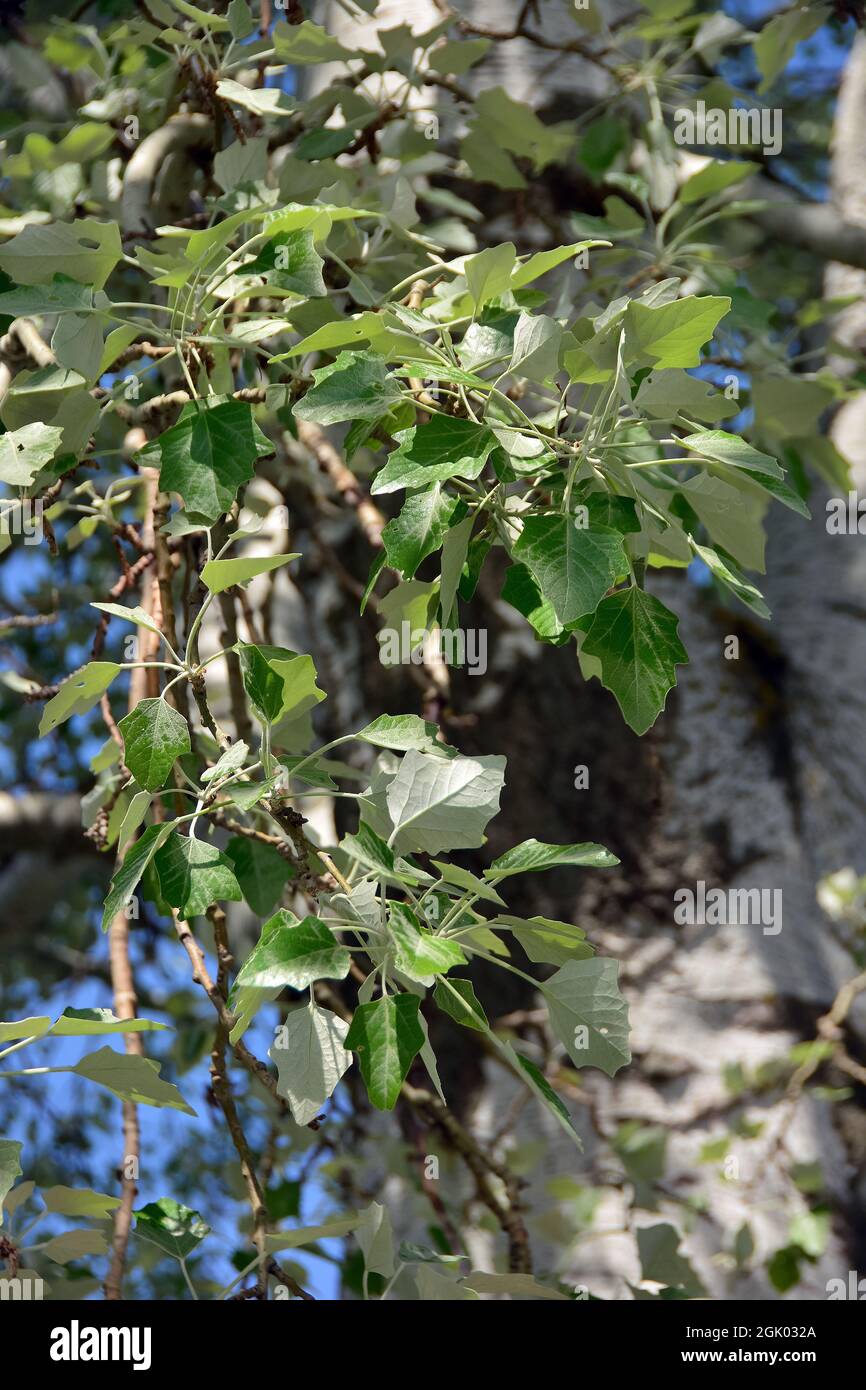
[[25, 452], [78, 693]]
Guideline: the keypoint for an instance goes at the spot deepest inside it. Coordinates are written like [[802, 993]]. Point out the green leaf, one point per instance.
[[219, 575], [369, 849], [540, 1086], [356, 386], [733, 451], [154, 736], [209, 454], [515, 126], [240, 18], [775, 45], [733, 517], [533, 855], [229, 762], [376, 1239], [489, 273], [762, 469], [642, 1149], [294, 953], [386, 1035], [573, 566], [543, 261], [455, 552], [635, 639], [537, 341], [441, 371], [32, 1027], [523, 593], [85, 250], [671, 335], [661, 1262], [173, 1228], [135, 615], [780, 489], [77, 1023], [246, 795], [74, 1245], [79, 1201], [666, 394], [77, 343], [25, 452], [245, 1004], [418, 954], [305, 43], [487, 162], [262, 101], [789, 404], [261, 871], [217, 22], [313, 774], [723, 569], [310, 1059], [466, 1009], [193, 874], [517, 1285], [446, 447], [333, 1229], [10, 1168], [443, 803], [54, 396], [419, 529], [131, 1078], [403, 732], [107, 756], [241, 163], [290, 262], [411, 602], [132, 817], [410, 1253], [57, 296], [715, 176], [78, 693], [280, 683], [588, 1013], [457, 56], [547, 942], [468, 883], [128, 874], [21, 1193]]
